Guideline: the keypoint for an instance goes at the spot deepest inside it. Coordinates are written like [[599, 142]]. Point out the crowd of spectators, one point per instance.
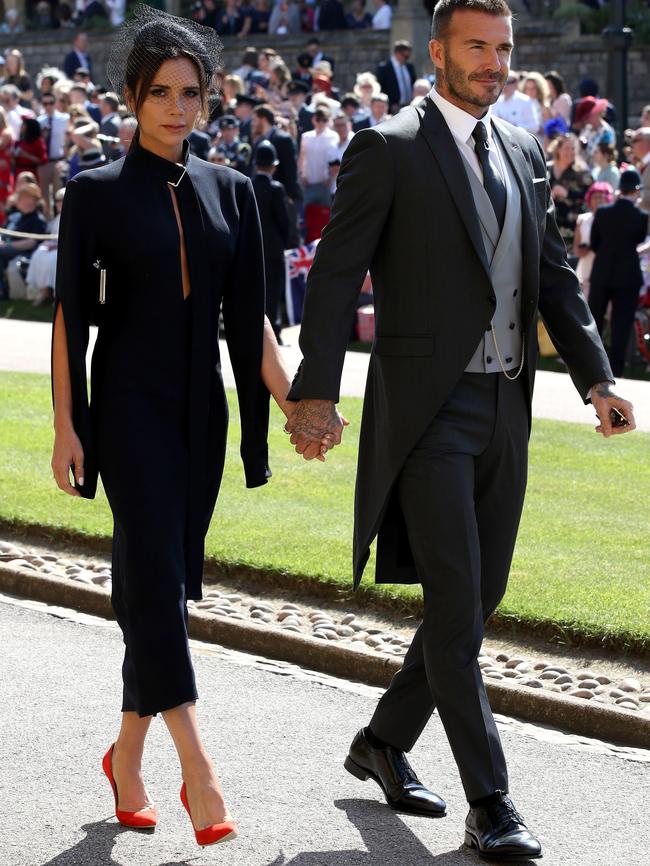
[[62, 121], [228, 17]]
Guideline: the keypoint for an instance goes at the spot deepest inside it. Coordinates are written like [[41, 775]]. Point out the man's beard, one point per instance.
[[457, 83]]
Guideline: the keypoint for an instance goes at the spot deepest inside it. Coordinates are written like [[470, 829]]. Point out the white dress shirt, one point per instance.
[[316, 149], [518, 109], [382, 18], [461, 125], [58, 124]]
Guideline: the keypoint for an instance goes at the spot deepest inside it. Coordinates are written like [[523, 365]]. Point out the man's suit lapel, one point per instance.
[[443, 147]]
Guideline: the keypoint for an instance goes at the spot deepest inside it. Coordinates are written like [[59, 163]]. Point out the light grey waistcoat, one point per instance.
[[504, 253]]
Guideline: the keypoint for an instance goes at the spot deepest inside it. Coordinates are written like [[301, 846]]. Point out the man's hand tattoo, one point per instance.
[[314, 418], [604, 390]]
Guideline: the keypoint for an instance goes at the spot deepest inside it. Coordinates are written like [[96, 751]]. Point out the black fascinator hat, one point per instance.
[[150, 37]]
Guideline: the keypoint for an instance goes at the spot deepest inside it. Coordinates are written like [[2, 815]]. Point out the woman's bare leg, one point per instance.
[[127, 762], [204, 792]]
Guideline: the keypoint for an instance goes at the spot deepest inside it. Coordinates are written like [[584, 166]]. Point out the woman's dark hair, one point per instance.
[[554, 78], [148, 40], [31, 130], [142, 69]]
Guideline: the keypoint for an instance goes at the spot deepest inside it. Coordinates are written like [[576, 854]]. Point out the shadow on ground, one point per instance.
[[96, 847], [389, 842]]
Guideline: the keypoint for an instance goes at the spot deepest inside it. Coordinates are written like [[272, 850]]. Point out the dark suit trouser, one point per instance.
[[461, 491], [624, 303]]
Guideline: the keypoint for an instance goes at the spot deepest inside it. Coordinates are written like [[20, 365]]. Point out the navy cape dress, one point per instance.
[[155, 426]]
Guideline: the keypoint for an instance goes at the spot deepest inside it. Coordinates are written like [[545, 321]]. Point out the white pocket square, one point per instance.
[[539, 180]]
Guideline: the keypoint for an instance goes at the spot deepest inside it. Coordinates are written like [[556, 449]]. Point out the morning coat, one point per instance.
[[404, 210]]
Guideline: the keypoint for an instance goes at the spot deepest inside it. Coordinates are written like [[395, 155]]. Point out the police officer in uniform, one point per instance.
[[236, 152]]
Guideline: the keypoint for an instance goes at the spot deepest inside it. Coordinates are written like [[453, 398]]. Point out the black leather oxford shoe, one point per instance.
[[498, 831], [389, 768]]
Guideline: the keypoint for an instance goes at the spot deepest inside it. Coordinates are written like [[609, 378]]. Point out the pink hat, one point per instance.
[[588, 107], [601, 187]]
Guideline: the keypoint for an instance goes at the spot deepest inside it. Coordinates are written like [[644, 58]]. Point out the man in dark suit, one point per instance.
[[313, 48], [616, 274], [450, 210], [263, 128], [297, 92], [78, 56], [109, 125], [274, 218], [244, 114], [396, 76]]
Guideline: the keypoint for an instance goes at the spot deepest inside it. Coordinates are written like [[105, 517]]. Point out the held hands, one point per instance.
[[315, 427], [67, 453], [615, 414]]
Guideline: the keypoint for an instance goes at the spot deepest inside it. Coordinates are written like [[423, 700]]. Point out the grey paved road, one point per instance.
[[279, 735]]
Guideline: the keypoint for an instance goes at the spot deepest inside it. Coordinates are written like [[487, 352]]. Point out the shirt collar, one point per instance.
[[460, 123]]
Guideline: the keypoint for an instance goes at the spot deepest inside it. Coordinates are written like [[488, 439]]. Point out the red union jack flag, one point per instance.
[[297, 264], [301, 259]]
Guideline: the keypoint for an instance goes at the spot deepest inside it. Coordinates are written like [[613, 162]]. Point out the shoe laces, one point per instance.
[[405, 770], [505, 813]]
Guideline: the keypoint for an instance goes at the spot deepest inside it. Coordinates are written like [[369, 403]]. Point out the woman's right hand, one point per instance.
[[67, 452]]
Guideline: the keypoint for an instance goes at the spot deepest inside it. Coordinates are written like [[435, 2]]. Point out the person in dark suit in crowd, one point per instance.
[[77, 56], [297, 92], [331, 15], [396, 76], [313, 48], [303, 70], [244, 114], [274, 219], [616, 275], [357, 18], [264, 129], [109, 125], [444, 437], [351, 107]]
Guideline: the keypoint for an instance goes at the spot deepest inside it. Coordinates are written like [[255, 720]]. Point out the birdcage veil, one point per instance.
[[149, 37]]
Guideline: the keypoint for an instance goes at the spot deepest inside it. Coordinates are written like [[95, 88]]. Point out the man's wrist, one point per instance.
[[602, 389], [593, 391]]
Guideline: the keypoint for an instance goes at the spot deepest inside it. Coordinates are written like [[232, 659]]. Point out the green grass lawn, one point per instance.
[[581, 560], [25, 310]]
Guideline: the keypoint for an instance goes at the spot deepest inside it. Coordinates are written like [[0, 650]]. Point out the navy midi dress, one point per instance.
[[155, 426]]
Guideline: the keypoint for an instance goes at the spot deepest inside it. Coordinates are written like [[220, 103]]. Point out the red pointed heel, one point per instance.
[[143, 819], [216, 833]]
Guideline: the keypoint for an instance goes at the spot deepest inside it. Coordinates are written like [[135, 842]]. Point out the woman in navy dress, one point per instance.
[[151, 248]]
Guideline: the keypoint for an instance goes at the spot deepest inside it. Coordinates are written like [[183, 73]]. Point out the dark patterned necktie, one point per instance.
[[492, 181]]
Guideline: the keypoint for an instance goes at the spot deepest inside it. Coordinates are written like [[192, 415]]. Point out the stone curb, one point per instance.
[[568, 713]]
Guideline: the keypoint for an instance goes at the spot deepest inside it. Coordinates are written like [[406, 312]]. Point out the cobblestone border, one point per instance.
[[560, 710]]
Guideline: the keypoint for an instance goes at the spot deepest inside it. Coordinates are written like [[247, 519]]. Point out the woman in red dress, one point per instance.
[[6, 159], [31, 150]]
